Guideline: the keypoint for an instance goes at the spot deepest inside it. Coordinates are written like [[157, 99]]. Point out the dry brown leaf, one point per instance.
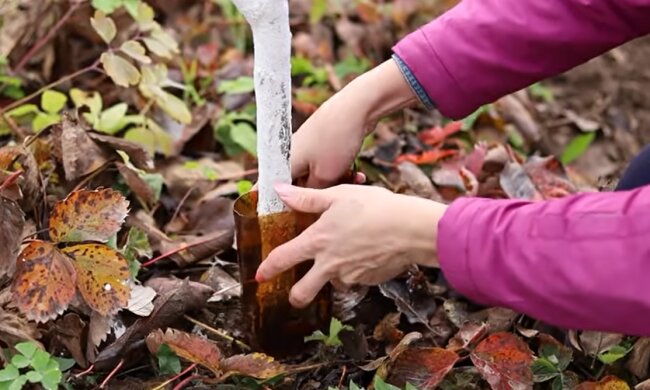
[[639, 361], [12, 221], [138, 155], [137, 184], [99, 328], [69, 330], [79, 153], [387, 329], [188, 346], [256, 365], [594, 343]]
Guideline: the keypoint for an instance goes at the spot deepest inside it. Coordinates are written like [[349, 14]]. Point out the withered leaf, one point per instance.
[[44, 283], [138, 155], [387, 329], [256, 365], [467, 334], [504, 361], [424, 368], [609, 382], [12, 221], [103, 276], [69, 330], [14, 327], [88, 215], [188, 346], [80, 155]]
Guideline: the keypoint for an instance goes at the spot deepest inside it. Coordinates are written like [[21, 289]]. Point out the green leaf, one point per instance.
[[244, 186], [42, 121], [410, 387], [318, 9], [20, 361], [112, 120], [468, 122], [577, 147], [9, 373], [135, 50], [64, 363], [25, 109], [53, 101], [104, 26], [616, 353], [51, 379], [351, 66], [106, 6], [168, 361], [175, 107], [27, 348], [145, 17], [161, 43], [243, 84], [92, 100], [381, 385], [354, 386], [316, 336], [41, 360], [120, 70], [544, 370], [34, 376], [243, 134], [541, 91], [132, 7]]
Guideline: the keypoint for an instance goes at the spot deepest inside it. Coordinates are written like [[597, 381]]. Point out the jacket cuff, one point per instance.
[[413, 82], [453, 245]]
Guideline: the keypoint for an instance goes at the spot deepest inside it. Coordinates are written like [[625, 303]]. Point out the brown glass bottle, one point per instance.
[[273, 325]]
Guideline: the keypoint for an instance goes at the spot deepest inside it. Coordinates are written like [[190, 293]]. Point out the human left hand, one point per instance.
[[365, 235]]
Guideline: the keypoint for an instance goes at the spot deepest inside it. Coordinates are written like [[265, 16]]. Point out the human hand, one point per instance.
[[325, 146], [365, 235]]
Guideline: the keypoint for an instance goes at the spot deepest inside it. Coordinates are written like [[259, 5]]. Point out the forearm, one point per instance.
[[577, 262], [484, 49]]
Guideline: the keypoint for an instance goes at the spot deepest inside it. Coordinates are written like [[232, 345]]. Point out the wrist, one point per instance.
[[422, 218], [383, 91]]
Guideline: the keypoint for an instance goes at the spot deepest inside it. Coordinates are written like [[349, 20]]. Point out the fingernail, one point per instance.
[[259, 278], [282, 189]]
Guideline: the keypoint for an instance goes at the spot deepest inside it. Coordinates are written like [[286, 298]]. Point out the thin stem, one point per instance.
[[184, 382], [11, 179], [112, 374], [219, 333], [86, 371], [47, 37], [49, 86], [180, 374], [177, 250]]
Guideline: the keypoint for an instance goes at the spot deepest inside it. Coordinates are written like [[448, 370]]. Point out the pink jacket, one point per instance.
[[579, 262]]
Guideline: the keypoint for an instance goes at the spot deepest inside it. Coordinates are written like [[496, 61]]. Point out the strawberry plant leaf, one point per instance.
[[187, 346], [255, 365], [423, 367], [504, 361], [103, 276], [44, 283], [88, 215]]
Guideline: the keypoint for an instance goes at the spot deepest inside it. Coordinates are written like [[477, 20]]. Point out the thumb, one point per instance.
[[307, 200]]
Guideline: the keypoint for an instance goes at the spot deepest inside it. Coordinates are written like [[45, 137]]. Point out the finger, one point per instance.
[[307, 200], [359, 178], [304, 292], [339, 285], [287, 256]]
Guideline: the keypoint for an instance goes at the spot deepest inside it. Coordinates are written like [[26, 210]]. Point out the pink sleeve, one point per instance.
[[484, 49], [579, 262]]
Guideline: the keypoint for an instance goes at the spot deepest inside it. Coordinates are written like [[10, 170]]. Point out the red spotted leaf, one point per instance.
[[102, 276], [428, 157], [256, 365], [88, 215], [424, 368], [188, 346], [44, 282], [504, 360], [609, 382]]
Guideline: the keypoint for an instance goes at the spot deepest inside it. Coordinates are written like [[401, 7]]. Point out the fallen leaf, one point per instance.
[[187, 346], [417, 307], [428, 157], [468, 334], [199, 247], [138, 155], [103, 276], [513, 110], [424, 368], [437, 134], [44, 283], [639, 361], [549, 177], [74, 147], [609, 382], [517, 184], [416, 180], [594, 343], [256, 365], [225, 286], [88, 215], [175, 298], [14, 327], [137, 183], [99, 328], [12, 221], [69, 330], [346, 301], [141, 301], [387, 329], [504, 361]]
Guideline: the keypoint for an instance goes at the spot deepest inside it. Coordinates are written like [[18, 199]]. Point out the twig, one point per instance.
[[93, 66], [182, 202], [11, 179], [85, 372], [47, 37], [93, 175], [177, 250], [184, 382], [180, 374], [345, 371], [217, 332], [112, 374]]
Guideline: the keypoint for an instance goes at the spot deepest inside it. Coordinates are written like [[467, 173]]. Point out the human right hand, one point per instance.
[[325, 146]]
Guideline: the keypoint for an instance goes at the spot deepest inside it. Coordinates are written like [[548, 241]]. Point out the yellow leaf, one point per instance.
[[104, 26], [175, 108], [121, 71], [135, 50]]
